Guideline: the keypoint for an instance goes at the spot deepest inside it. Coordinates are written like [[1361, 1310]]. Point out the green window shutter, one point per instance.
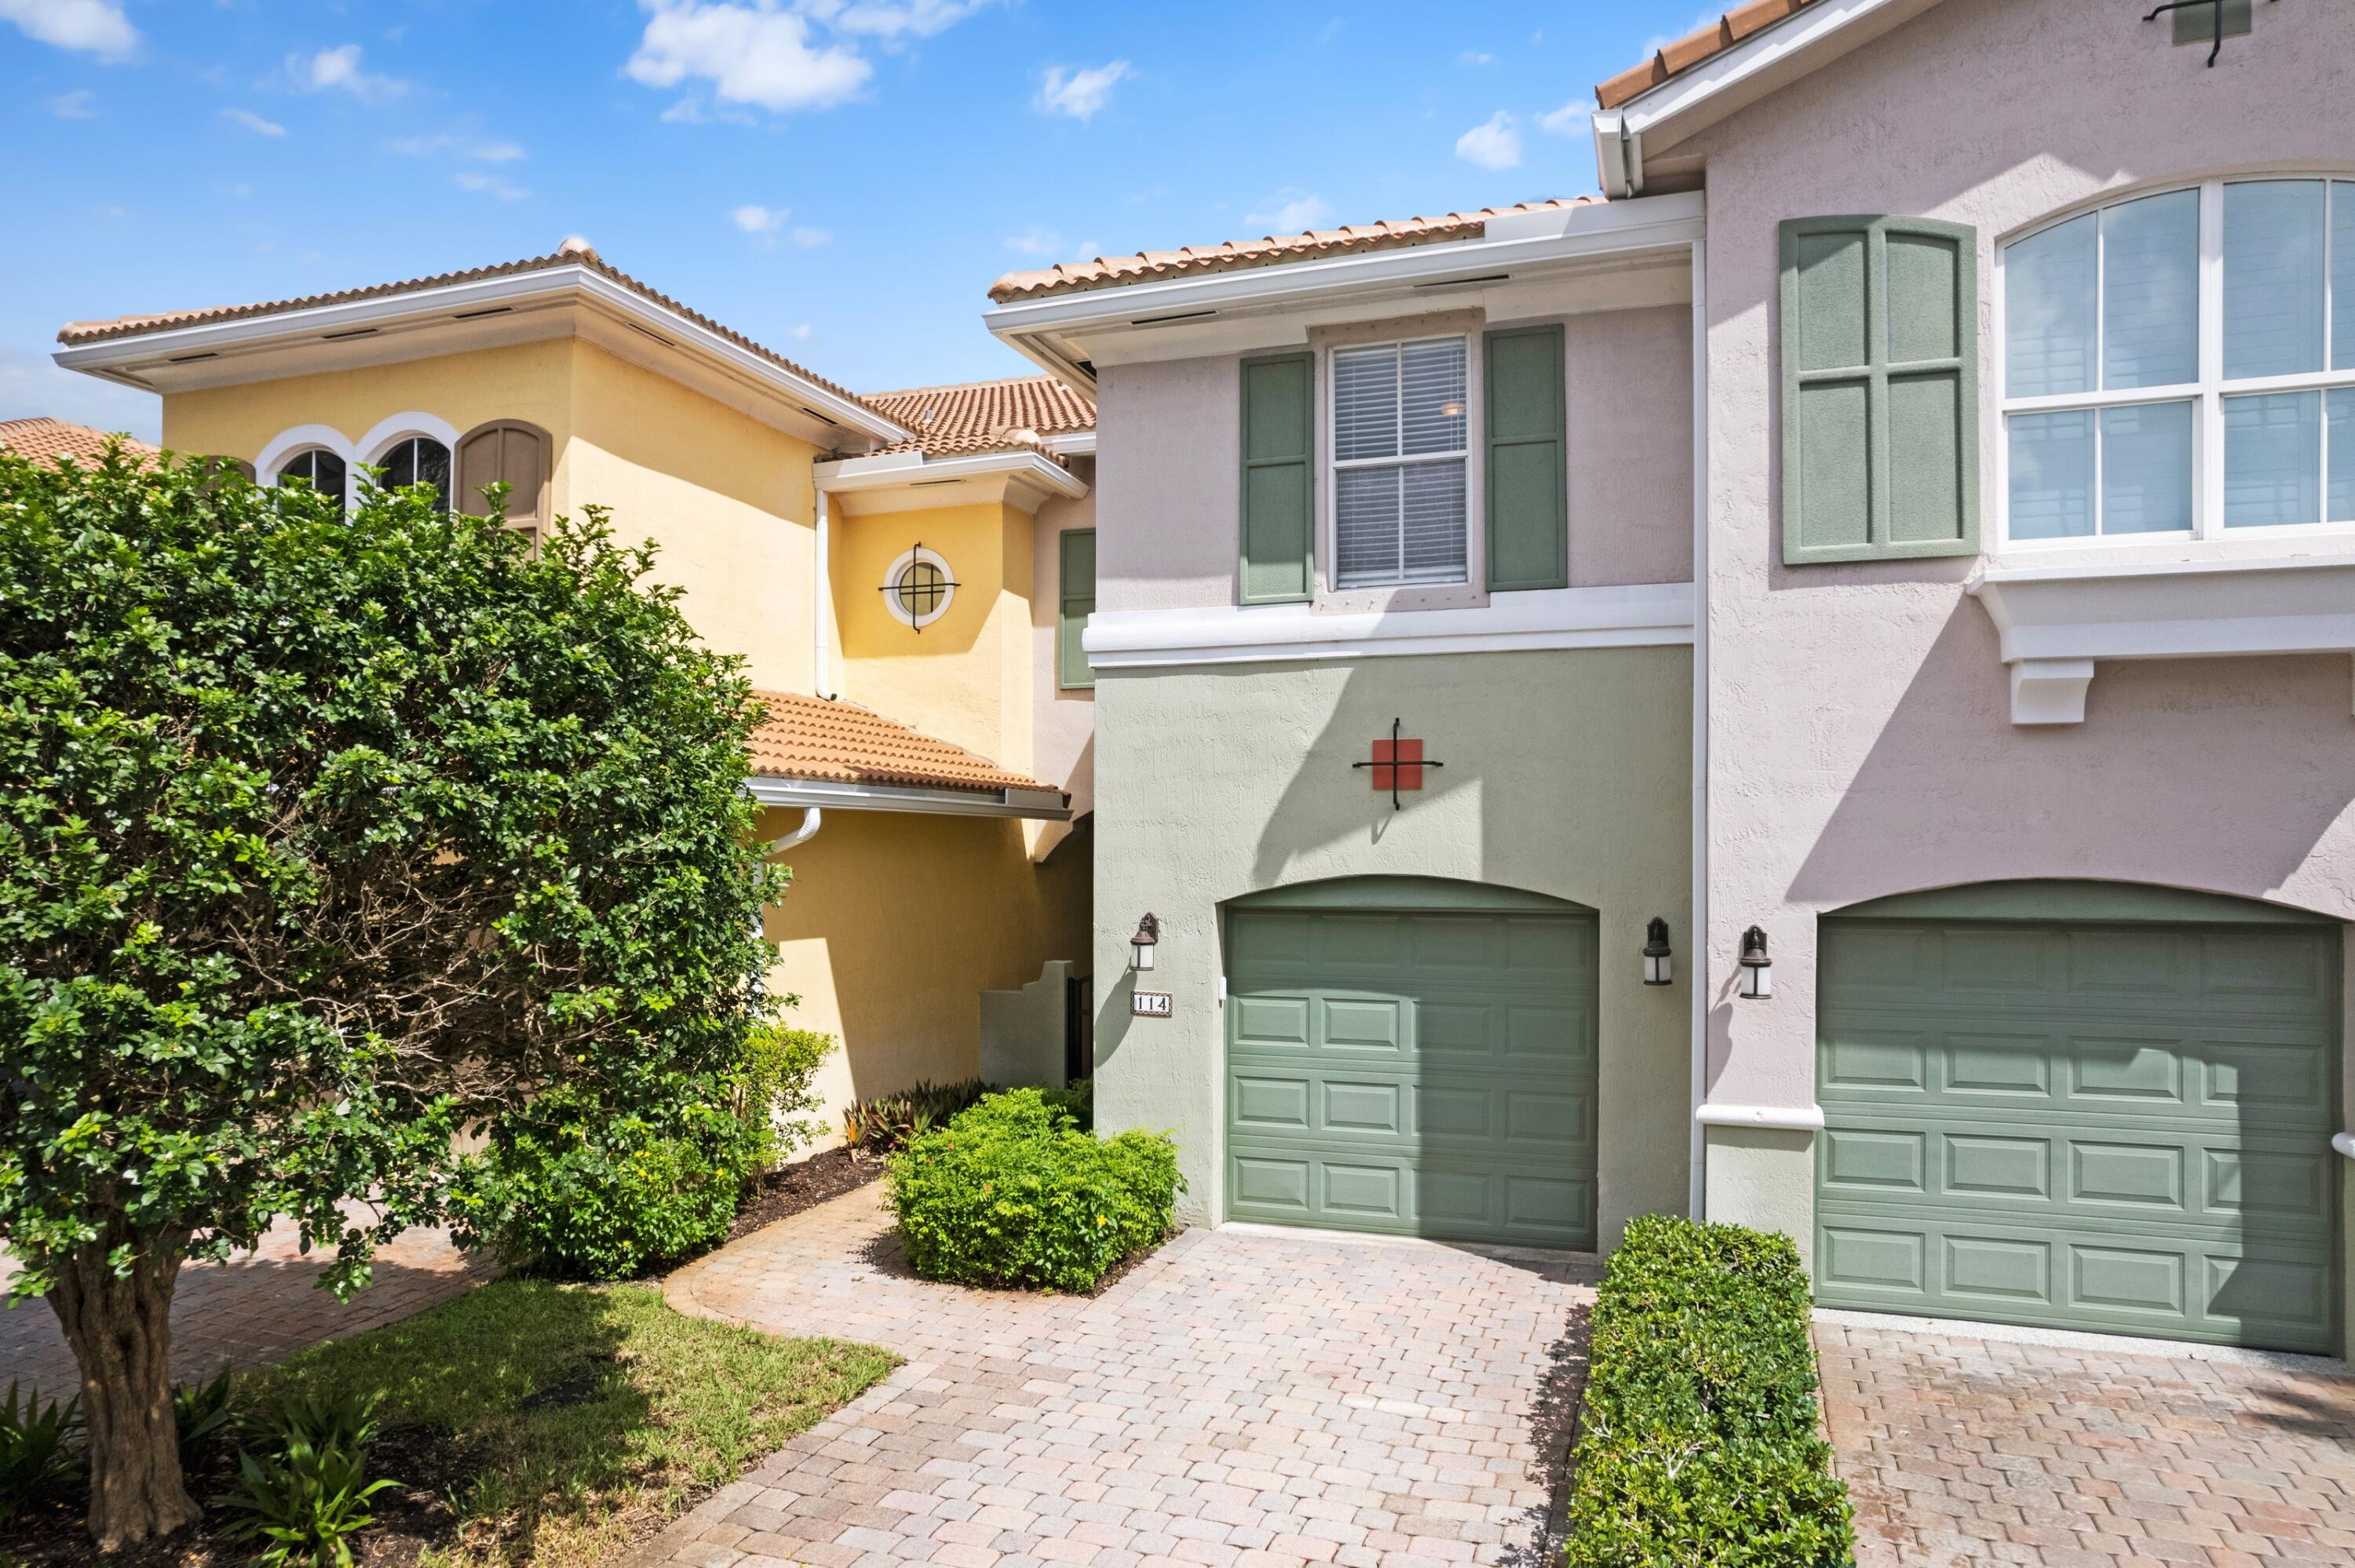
[[1279, 486], [1527, 475], [1880, 399], [1079, 547]]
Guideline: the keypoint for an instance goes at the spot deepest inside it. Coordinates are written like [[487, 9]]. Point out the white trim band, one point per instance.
[[1778, 1118], [1646, 615]]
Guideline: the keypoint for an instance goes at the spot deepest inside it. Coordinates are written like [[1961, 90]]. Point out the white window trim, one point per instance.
[[2206, 394], [1331, 598], [898, 611]]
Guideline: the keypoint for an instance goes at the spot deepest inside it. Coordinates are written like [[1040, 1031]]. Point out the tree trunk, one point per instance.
[[121, 1332]]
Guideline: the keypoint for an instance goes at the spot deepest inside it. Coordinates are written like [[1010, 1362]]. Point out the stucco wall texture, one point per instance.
[[1063, 721], [1629, 419], [1567, 774], [1860, 741]]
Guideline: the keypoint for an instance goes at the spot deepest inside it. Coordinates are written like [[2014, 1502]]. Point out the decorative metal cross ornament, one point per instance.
[[1398, 764], [2220, 11], [920, 587]]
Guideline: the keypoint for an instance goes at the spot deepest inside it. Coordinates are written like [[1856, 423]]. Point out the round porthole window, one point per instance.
[[918, 589]]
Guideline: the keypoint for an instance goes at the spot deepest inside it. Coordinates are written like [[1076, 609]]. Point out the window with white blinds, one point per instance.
[[1400, 459], [2183, 362]]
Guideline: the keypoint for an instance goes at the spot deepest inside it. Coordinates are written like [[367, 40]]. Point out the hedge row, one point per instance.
[[1698, 1440]]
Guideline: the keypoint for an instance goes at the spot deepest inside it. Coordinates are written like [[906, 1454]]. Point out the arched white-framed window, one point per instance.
[[316, 454], [2181, 362], [919, 588], [412, 449]]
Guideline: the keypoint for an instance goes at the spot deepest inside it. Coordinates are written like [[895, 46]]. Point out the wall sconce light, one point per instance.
[[1148, 935], [1655, 952], [1757, 969]]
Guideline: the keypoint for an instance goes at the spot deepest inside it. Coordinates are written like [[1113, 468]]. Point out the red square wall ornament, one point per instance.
[[1396, 763]]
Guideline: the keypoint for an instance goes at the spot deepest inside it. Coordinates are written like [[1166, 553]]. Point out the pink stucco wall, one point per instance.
[[1859, 736], [1168, 477], [1064, 723]]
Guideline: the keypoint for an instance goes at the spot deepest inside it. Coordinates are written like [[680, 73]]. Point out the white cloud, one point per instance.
[[1290, 212], [74, 105], [480, 151], [1476, 57], [253, 122], [1079, 93], [889, 20], [1571, 120], [811, 238], [1034, 241], [802, 332], [756, 220], [1494, 145], [482, 183], [93, 25], [750, 53], [340, 69]]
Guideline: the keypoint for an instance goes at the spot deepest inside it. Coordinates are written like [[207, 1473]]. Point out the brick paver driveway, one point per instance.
[[1967, 1451], [1243, 1398]]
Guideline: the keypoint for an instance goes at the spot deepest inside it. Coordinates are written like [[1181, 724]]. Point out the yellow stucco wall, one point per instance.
[[894, 925], [967, 677]]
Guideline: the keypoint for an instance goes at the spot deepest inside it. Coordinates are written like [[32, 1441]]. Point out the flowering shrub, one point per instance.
[[1013, 1192]]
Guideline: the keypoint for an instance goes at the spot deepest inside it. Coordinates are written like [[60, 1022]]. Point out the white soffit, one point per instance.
[[910, 481], [2054, 624], [1036, 805]]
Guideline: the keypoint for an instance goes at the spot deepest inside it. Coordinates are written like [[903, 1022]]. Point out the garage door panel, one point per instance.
[[1450, 1094], [2143, 1149]]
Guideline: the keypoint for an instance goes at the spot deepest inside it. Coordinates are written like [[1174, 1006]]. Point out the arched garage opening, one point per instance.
[[2081, 1105], [1413, 1055]]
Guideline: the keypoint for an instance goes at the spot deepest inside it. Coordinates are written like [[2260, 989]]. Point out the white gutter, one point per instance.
[[1036, 805], [1776, 1118], [1071, 443], [1517, 241], [1697, 967], [2344, 1143], [112, 359], [821, 606], [848, 476]]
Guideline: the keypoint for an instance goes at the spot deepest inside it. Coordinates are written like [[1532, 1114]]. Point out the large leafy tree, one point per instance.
[[322, 839]]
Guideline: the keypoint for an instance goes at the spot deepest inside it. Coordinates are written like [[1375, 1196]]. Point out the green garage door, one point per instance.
[[1429, 1073], [2118, 1127]]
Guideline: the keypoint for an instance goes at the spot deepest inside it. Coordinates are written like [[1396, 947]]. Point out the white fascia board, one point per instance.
[[1706, 92], [850, 475], [113, 357], [1580, 233], [1045, 806], [1646, 615]]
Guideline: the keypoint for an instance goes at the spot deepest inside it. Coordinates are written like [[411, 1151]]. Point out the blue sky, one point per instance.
[[840, 179]]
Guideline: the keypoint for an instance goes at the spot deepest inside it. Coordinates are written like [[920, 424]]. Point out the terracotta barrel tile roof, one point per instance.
[[52, 439], [984, 415], [840, 742], [572, 253], [1671, 59], [1152, 266]]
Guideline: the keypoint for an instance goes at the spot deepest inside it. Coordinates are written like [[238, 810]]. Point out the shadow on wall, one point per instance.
[[2220, 775]]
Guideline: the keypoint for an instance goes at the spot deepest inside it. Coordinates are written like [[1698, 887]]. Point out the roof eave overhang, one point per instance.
[[1048, 331], [903, 482], [121, 359], [1034, 805], [1661, 118]]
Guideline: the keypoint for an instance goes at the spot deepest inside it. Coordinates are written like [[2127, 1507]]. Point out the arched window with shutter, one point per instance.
[[509, 452]]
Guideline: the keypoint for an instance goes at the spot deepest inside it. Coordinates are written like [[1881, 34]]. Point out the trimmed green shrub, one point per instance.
[[573, 1187], [1013, 1191], [303, 1497], [885, 1124], [1697, 1441], [1078, 1102]]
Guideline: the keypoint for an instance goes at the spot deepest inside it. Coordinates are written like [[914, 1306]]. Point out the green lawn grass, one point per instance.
[[563, 1419]]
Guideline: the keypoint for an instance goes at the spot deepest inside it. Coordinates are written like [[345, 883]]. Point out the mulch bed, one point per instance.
[[804, 1185]]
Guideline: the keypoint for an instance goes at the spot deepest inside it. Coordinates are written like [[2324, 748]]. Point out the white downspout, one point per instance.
[[1697, 1159], [812, 817], [821, 617]]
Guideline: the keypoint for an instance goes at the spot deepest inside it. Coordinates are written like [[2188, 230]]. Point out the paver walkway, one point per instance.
[[1242, 1399], [1968, 1451], [252, 1309]]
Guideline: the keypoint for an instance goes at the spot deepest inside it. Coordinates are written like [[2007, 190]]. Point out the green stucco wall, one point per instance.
[[1568, 773]]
